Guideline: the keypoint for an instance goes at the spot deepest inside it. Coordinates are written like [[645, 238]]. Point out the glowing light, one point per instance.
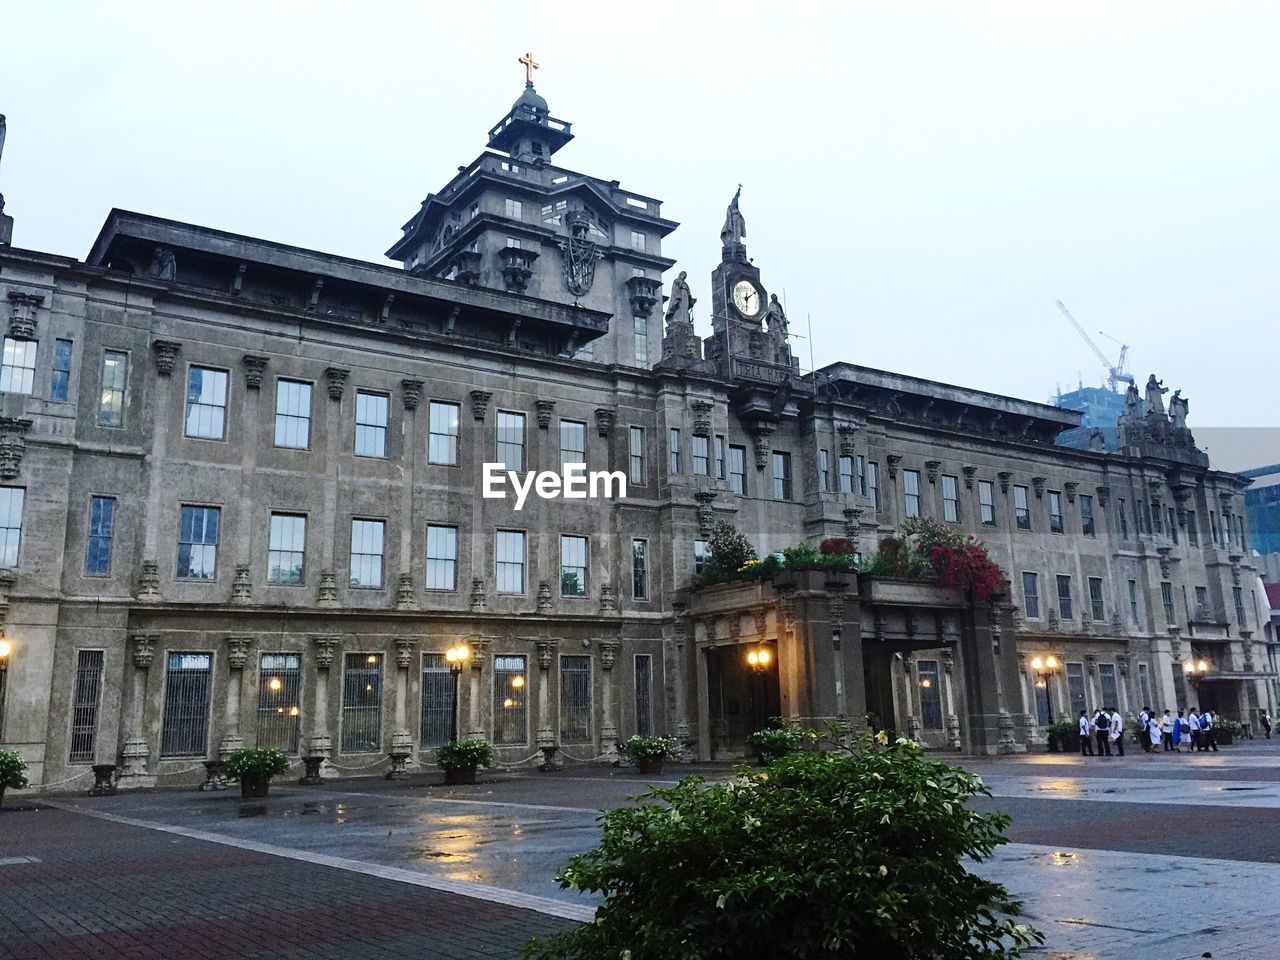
[[1187, 666], [293, 711], [459, 654], [1037, 663], [6, 648], [508, 703], [1202, 666], [368, 686], [373, 658], [1052, 662], [274, 684], [926, 683], [517, 682]]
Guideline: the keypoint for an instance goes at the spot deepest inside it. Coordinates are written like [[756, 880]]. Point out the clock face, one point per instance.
[[746, 297]]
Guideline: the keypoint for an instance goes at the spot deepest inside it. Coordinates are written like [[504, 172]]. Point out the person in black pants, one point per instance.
[[1117, 727], [1102, 730], [1143, 719], [1086, 740]]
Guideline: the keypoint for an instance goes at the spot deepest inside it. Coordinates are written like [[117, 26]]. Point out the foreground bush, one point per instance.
[[820, 855]]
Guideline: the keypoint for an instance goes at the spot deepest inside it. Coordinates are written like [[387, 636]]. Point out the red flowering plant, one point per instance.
[[837, 547], [958, 561]]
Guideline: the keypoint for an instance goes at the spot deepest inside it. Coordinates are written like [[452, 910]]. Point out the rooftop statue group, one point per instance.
[[1145, 418]]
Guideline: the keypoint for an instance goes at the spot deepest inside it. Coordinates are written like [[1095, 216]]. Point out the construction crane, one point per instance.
[[1117, 373]]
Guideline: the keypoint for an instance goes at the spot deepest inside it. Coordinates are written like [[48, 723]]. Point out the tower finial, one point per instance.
[[530, 65]]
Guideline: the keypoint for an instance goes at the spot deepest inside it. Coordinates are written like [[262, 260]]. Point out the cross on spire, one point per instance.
[[530, 65]]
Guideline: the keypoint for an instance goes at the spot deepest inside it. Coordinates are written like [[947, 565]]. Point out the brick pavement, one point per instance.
[[105, 889]]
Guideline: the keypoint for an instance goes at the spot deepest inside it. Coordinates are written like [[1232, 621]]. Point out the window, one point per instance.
[[1021, 509], [573, 442], [987, 502], [1097, 609], [366, 552], [286, 548], [102, 517], [635, 455], [511, 439], [1031, 595], [11, 499], [1202, 603], [860, 472], [442, 557], [293, 414], [198, 543], [1193, 532], [1124, 519], [185, 728], [513, 243], [1075, 687], [1134, 612], [513, 209], [509, 561], [950, 499], [824, 471], [371, 424], [437, 702], [1242, 621], [1144, 685], [60, 381], [18, 368], [1139, 517], [279, 701], [781, 475], [873, 484], [510, 692], [1156, 525], [701, 456], [573, 566], [115, 373], [637, 241], [639, 569], [673, 450], [930, 694], [1087, 525], [701, 554], [1064, 597], [1166, 598], [721, 473], [86, 696], [206, 403], [1213, 525], [442, 439], [640, 327], [575, 699], [1107, 682], [738, 470], [644, 694], [1173, 524], [362, 703], [844, 471], [1055, 513], [911, 492]]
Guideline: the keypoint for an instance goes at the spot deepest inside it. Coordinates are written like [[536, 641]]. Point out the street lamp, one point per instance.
[[6, 648], [1192, 667], [758, 659], [456, 657], [1045, 668]]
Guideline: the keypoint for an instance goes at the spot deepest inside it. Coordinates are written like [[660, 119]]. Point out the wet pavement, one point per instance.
[[1137, 858]]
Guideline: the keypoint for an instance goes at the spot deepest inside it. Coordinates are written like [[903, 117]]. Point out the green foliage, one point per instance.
[[821, 855], [730, 548], [13, 770], [775, 742], [1064, 729], [649, 748], [800, 557], [462, 754], [1227, 725], [256, 764]]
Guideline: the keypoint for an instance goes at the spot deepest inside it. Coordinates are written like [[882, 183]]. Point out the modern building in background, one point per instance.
[[1262, 503], [1100, 409], [241, 504]]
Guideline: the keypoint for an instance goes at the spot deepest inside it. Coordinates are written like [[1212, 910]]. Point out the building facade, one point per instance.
[[242, 493]]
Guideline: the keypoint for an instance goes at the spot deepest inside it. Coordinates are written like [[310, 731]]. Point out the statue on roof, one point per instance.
[[735, 228], [776, 317], [1178, 410], [681, 301], [1155, 395]]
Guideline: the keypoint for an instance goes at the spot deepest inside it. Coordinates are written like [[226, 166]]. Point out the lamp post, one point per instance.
[[1045, 668], [456, 657], [6, 648], [758, 659]]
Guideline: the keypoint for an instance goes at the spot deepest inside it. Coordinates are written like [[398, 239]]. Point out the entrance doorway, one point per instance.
[[877, 665], [742, 697]]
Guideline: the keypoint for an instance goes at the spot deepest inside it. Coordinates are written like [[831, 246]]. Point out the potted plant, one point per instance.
[[648, 753], [254, 769], [459, 759], [1226, 730], [13, 773], [1062, 734], [775, 742]]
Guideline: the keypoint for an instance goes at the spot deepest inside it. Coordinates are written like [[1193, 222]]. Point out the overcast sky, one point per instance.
[[923, 180]]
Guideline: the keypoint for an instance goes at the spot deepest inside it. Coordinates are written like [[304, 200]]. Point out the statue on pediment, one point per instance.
[[681, 301], [1155, 395], [735, 228], [1178, 407]]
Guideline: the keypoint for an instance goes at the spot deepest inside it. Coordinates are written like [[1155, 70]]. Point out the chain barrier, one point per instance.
[[58, 783]]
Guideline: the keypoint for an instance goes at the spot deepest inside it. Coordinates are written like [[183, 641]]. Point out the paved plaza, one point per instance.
[[1149, 857]]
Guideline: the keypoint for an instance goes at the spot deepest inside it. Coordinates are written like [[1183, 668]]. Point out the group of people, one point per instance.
[[1197, 730]]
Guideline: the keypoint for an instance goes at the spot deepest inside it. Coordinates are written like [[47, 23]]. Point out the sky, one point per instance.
[[921, 180]]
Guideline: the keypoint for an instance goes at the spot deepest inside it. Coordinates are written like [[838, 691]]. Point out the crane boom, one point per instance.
[[1116, 373], [1084, 336]]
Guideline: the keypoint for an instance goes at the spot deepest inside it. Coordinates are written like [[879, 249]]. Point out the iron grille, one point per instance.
[[930, 695], [279, 701], [84, 705], [644, 694], [186, 705], [510, 700], [362, 703], [575, 699], [1107, 682], [437, 701]]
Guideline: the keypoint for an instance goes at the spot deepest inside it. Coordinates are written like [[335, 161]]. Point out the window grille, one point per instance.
[[279, 701], [86, 698], [635, 455], [1097, 609], [1021, 509], [510, 700], [1055, 513], [644, 694], [1110, 690], [987, 501], [437, 701], [1064, 597], [930, 694], [1088, 525], [1031, 594], [738, 470], [187, 685], [362, 703], [575, 699]]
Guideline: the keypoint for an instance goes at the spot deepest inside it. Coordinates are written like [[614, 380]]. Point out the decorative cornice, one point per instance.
[[22, 314]]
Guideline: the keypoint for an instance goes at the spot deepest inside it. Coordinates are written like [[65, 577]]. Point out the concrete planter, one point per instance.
[[649, 766], [459, 776], [896, 590], [254, 788]]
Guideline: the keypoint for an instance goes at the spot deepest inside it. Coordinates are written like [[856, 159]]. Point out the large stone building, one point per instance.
[[241, 503]]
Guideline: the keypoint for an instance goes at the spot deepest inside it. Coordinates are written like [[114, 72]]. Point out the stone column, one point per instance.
[[319, 746], [479, 652], [247, 523], [137, 752], [608, 722], [682, 732], [546, 730], [401, 738], [165, 355], [237, 657], [1164, 663], [949, 685], [910, 698], [406, 595]]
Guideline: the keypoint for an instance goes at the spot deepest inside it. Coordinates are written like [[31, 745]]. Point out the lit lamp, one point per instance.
[[1192, 668], [456, 657], [6, 648], [1044, 668]]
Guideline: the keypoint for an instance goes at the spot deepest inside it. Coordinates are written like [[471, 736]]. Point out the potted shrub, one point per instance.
[[1226, 730], [13, 772], [648, 753], [254, 769], [460, 758], [1063, 735], [775, 742]]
